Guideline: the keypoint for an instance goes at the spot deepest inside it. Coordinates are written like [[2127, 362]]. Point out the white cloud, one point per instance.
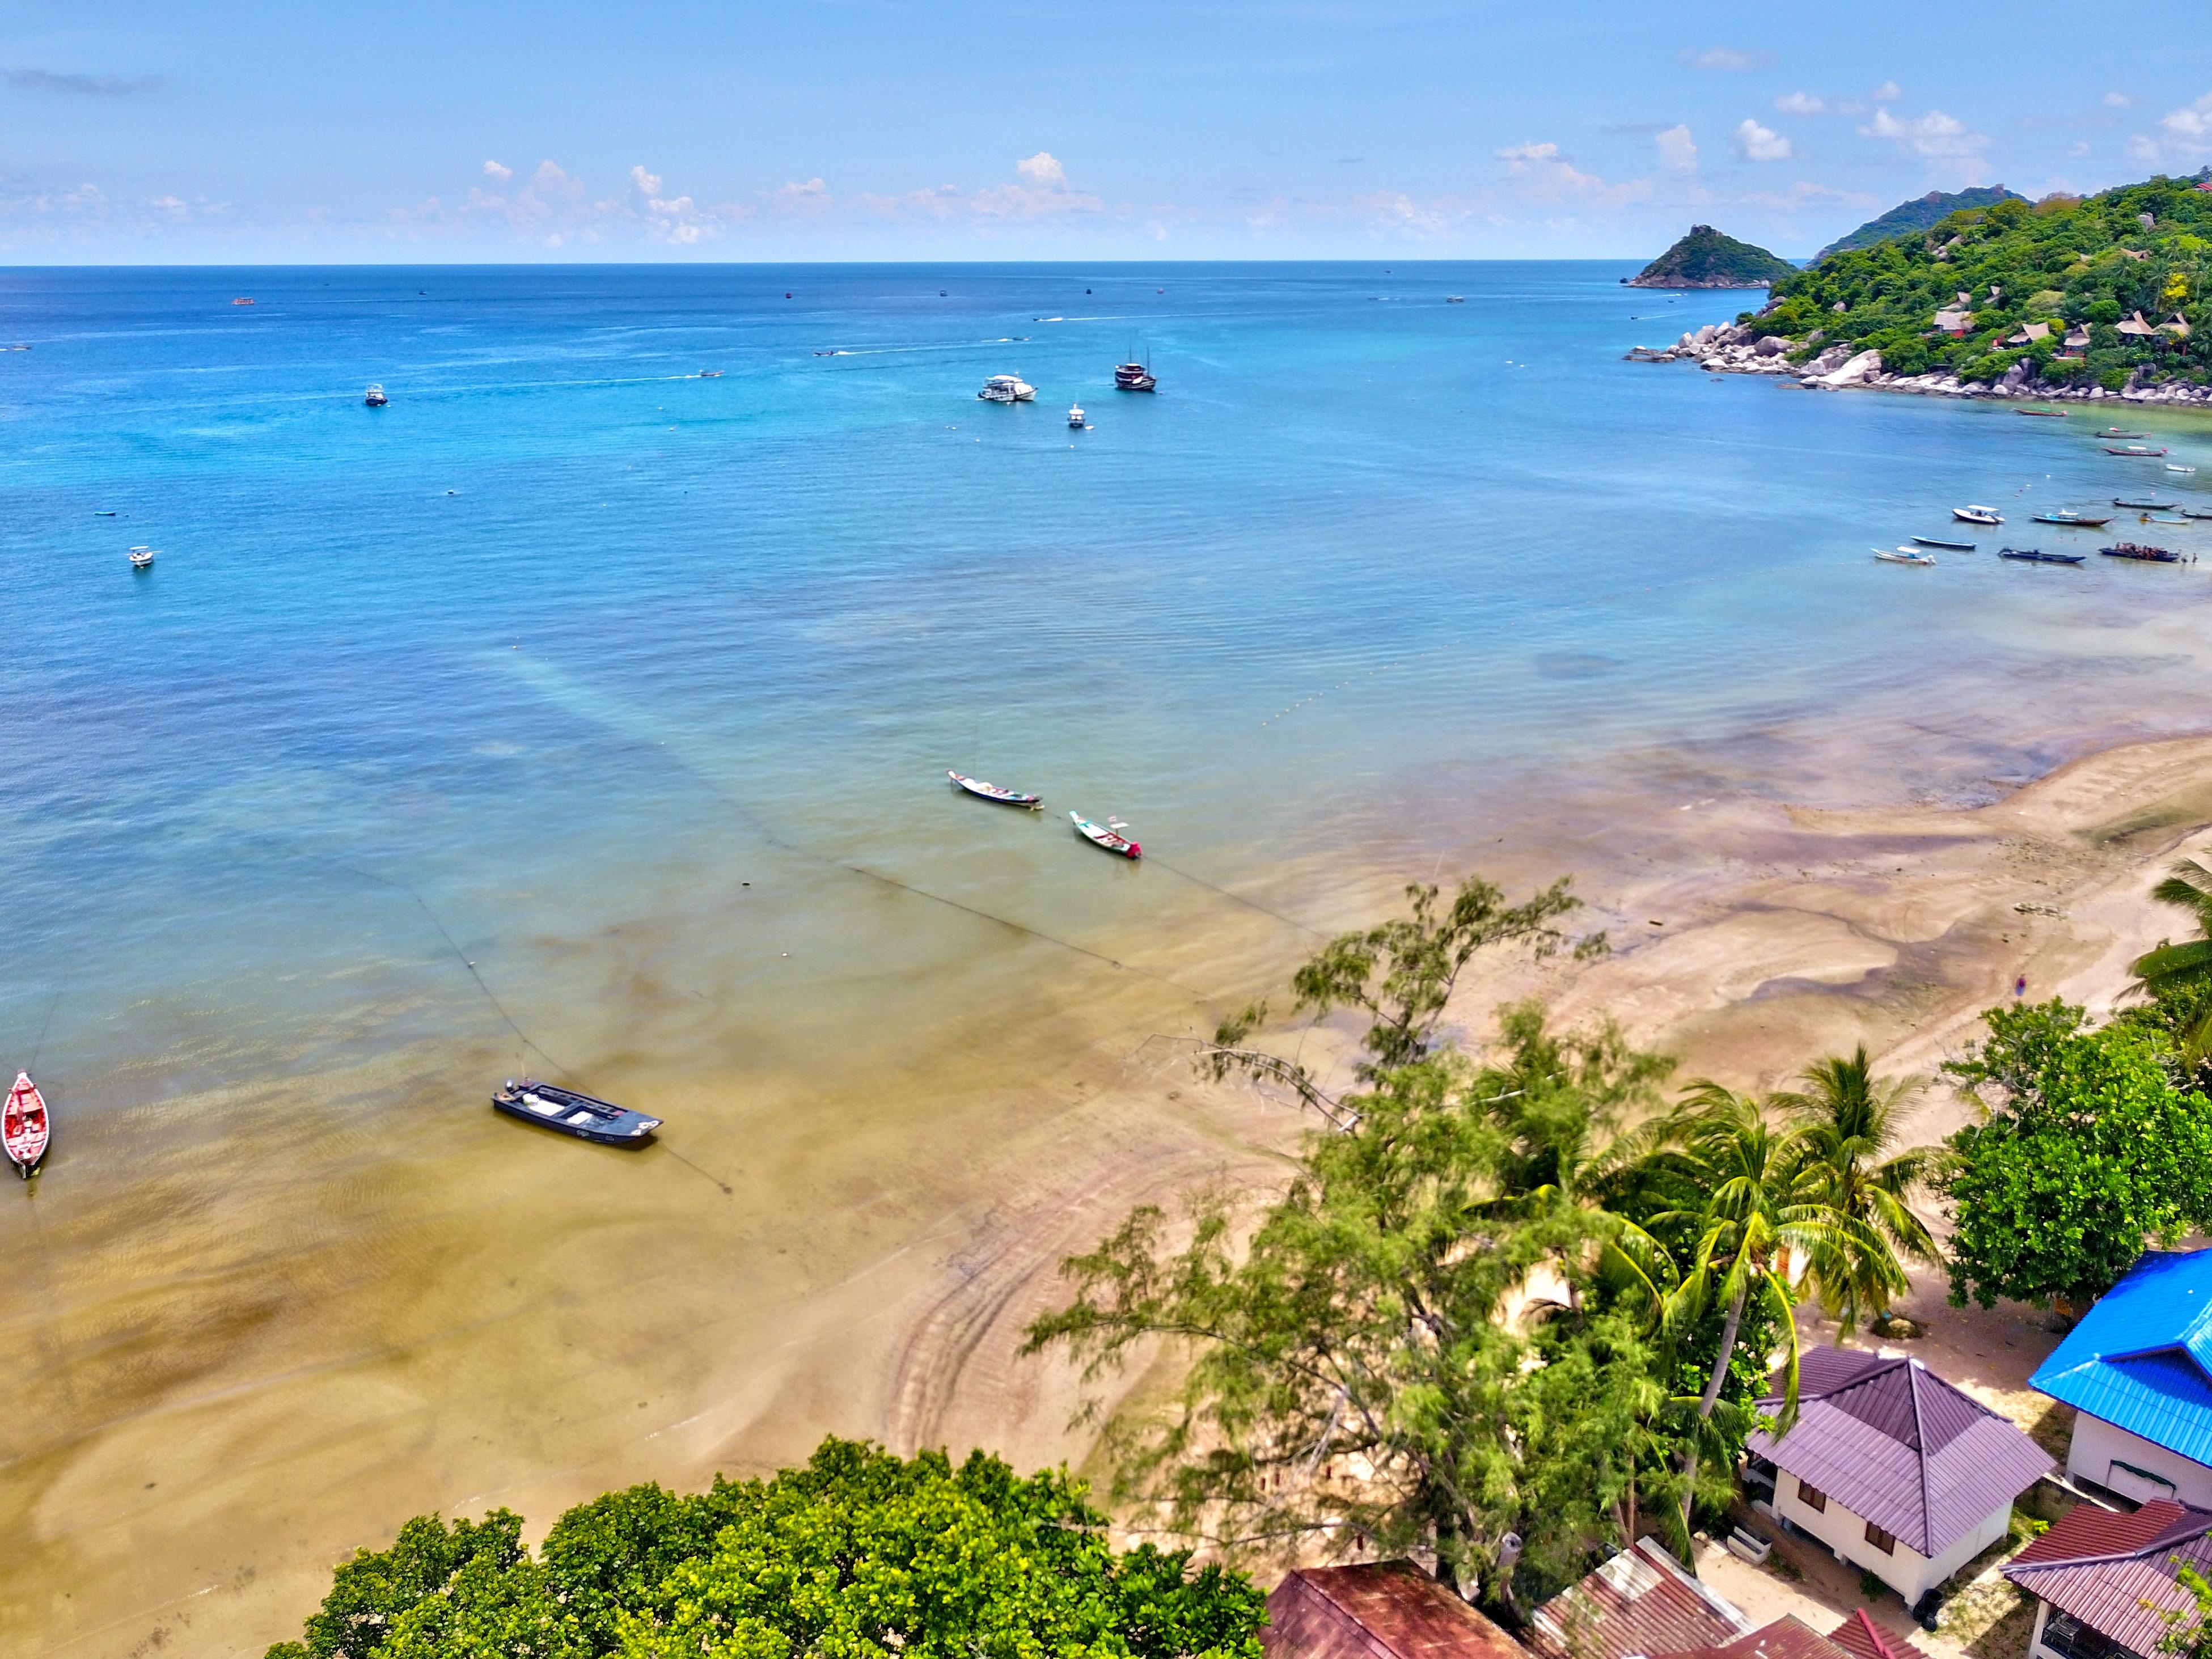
[[1548, 175], [498, 174], [2189, 131], [1753, 142], [1802, 103], [1937, 135], [1678, 151], [1043, 171], [2121, 100], [1727, 59], [1394, 212], [1888, 92], [2144, 149], [648, 184], [801, 196]]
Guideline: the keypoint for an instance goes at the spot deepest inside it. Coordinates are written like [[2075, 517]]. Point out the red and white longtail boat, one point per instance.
[[993, 791], [23, 1124], [1107, 835]]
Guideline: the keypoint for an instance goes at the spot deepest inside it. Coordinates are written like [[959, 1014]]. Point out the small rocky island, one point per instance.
[[1708, 259]]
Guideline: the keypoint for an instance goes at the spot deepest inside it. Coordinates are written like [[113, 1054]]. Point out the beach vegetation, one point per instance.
[[858, 1552], [2089, 1150]]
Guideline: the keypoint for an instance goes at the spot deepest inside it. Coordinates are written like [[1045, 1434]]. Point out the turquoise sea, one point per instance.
[[579, 712]]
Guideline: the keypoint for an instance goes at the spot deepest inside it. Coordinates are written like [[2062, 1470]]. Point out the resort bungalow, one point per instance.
[[2104, 1584], [1897, 1471], [1954, 322], [2137, 1370], [2136, 327], [1640, 1602], [1377, 1610]]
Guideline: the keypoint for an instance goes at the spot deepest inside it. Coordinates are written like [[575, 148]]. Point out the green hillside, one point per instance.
[[1919, 214], [1707, 258], [2059, 265]]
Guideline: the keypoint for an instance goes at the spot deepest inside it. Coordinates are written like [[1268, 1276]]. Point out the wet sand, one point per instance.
[[254, 1353]]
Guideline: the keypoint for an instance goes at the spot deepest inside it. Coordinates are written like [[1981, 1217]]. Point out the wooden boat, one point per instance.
[[992, 792], [1107, 835], [2114, 432], [2137, 550], [2043, 414], [2192, 513], [1951, 547], [2147, 507], [141, 558], [1972, 514], [2037, 555], [2154, 518], [1903, 556], [24, 1125], [585, 1117], [2076, 519], [2137, 452]]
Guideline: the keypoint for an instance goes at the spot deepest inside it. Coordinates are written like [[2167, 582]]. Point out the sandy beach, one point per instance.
[[248, 1391]]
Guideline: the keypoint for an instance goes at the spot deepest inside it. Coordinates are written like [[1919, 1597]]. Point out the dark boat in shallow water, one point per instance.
[[2146, 507], [2037, 555], [585, 1117], [1955, 547], [2137, 550], [993, 791], [2077, 520]]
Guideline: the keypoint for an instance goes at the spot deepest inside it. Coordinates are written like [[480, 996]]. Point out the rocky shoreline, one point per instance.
[[1740, 349]]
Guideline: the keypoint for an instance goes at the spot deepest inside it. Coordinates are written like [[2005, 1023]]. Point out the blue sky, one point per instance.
[[1189, 129]]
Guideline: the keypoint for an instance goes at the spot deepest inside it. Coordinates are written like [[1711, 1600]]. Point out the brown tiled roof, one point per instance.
[[1860, 1636], [1642, 1601], [1897, 1445], [1377, 1610], [1787, 1638], [2115, 1572]]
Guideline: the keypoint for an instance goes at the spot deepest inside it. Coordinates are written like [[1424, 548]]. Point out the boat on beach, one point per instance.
[[2067, 515], [1107, 835], [1903, 556], [141, 558], [992, 792], [2137, 550], [1952, 547], [1973, 514], [585, 1117], [2037, 555], [24, 1126]]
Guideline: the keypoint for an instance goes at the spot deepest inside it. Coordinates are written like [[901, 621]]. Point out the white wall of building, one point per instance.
[[2097, 1445], [1903, 1569]]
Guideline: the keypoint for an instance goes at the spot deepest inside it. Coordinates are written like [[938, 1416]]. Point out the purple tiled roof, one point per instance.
[[1897, 1445], [2115, 1572], [1377, 1610], [1641, 1601]]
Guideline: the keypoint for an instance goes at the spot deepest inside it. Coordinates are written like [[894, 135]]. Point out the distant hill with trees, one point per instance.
[[1919, 214], [1709, 258]]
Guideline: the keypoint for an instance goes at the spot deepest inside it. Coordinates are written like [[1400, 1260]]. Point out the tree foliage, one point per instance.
[[2088, 1152], [860, 1554]]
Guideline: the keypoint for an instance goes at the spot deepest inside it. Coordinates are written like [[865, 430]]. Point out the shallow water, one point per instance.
[[578, 714]]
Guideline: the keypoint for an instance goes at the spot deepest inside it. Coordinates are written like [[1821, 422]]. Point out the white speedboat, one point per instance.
[[1007, 389], [141, 558], [1903, 556], [375, 398], [1973, 514], [1075, 416]]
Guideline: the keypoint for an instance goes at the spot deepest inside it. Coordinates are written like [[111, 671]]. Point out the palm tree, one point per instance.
[[2172, 967], [1847, 1124], [1759, 1218]]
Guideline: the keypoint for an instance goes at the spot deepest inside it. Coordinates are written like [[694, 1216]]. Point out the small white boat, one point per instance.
[[2175, 467], [993, 791], [1107, 835], [1973, 514], [375, 398], [1007, 389], [1075, 417], [141, 558], [1903, 556]]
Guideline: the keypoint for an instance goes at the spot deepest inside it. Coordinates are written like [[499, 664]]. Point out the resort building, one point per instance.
[[1895, 1471], [1643, 1601], [2104, 1582], [2137, 1370], [1377, 1610]]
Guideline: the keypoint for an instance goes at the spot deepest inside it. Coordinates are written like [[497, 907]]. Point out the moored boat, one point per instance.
[[1953, 547], [2146, 507], [2134, 451], [1973, 514], [2067, 515], [585, 1117], [2137, 550], [2114, 432], [141, 558], [1134, 377], [2037, 555], [2045, 414], [24, 1126], [375, 398], [1007, 389], [1075, 417], [993, 793], [2176, 466], [1107, 835], [1903, 556]]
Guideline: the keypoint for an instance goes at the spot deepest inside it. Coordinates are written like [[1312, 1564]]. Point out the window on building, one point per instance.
[[2069, 1638], [1812, 1498], [1881, 1541]]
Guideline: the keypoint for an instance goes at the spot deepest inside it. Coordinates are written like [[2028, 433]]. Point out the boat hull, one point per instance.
[[993, 793], [25, 1125], [1105, 839], [564, 1111], [2037, 555], [2072, 524]]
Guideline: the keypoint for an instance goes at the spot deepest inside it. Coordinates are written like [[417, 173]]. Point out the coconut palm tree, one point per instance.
[[2172, 967], [1847, 1126]]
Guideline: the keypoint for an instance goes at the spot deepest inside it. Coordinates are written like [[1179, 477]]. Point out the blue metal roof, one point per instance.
[[2141, 1358]]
